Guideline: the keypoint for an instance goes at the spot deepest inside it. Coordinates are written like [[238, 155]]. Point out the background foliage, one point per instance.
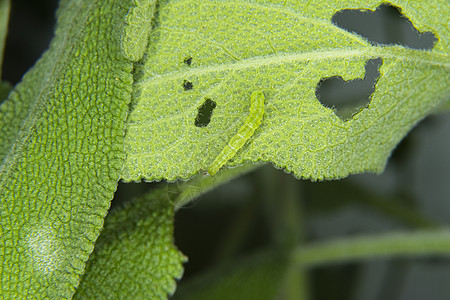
[[233, 221]]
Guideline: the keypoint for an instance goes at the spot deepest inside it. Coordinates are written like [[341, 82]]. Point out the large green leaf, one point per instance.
[[62, 151], [225, 50]]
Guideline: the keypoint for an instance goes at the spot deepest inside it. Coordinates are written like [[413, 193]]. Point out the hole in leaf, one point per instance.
[[187, 85], [188, 60], [349, 97], [204, 113], [386, 25]]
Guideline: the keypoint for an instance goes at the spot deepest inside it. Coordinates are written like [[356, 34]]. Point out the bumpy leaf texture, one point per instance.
[[219, 52], [61, 133], [134, 257]]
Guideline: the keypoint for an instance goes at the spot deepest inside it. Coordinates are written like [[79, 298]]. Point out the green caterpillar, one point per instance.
[[252, 122]]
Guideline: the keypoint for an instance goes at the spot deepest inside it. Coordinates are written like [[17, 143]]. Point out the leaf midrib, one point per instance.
[[394, 52]]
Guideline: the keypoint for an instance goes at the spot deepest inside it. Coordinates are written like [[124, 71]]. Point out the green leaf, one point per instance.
[[5, 89], [223, 51], [256, 277], [62, 151], [137, 28], [134, 257]]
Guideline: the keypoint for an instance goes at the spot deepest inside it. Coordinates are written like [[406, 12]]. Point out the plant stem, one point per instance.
[[285, 215], [422, 243]]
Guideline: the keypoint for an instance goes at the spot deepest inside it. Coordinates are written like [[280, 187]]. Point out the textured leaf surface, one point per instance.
[[62, 150], [283, 48], [134, 257], [137, 28]]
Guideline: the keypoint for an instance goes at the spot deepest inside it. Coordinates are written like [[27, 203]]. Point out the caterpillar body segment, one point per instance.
[[244, 133]]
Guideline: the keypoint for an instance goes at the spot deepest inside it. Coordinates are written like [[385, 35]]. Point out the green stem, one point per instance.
[[285, 215], [4, 19], [183, 193], [389, 245]]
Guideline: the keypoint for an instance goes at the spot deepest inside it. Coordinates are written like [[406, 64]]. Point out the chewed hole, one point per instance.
[[386, 25], [188, 60], [349, 97], [187, 85], [204, 114]]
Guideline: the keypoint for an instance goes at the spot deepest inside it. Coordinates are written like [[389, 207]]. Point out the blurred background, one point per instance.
[[249, 213]]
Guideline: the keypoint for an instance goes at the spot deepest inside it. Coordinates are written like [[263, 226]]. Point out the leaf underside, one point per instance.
[[283, 48]]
